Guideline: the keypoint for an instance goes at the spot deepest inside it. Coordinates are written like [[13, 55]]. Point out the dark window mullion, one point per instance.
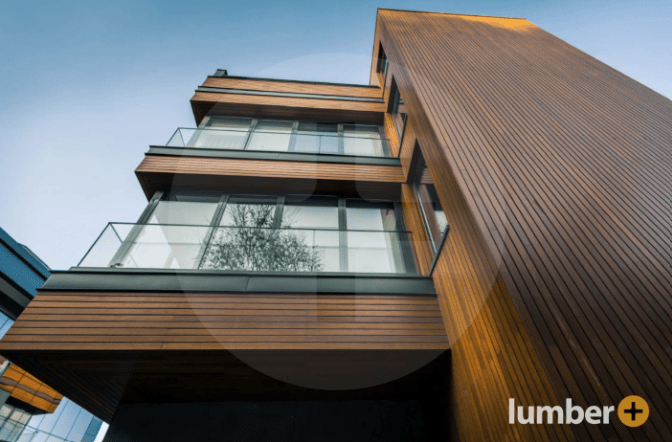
[[125, 247], [342, 236], [253, 126], [214, 223], [279, 208], [341, 139], [292, 139]]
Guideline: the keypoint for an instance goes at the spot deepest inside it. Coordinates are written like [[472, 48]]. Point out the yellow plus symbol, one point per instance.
[[633, 411]]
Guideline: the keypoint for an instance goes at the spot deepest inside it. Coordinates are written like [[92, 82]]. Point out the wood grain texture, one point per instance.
[[254, 321], [254, 84], [266, 175], [269, 106], [554, 171], [74, 334]]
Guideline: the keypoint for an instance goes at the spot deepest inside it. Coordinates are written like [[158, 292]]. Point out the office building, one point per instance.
[[31, 411], [488, 219]]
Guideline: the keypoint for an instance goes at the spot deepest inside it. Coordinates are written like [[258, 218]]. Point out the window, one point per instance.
[[435, 219], [382, 62], [398, 112], [289, 233], [222, 133], [237, 133], [317, 137]]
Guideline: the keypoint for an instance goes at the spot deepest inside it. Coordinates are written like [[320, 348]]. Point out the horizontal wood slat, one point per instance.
[[254, 84], [234, 318], [268, 168], [365, 180]]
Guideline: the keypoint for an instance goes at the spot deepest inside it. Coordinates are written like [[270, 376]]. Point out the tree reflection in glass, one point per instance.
[[251, 242]]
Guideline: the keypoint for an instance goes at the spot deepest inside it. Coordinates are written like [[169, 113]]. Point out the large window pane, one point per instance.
[[67, 419], [313, 213], [221, 133], [317, 137], [168, 247], [362, 140], [435, 218], [375, 252], [363, 215], [184, 212], [271, 135], [399, 113], [250, 211]]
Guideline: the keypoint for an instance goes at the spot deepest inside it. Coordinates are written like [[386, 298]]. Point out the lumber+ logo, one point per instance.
[[632, 411]]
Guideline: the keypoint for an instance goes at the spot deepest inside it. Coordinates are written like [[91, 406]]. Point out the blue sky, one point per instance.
[[86, 87]]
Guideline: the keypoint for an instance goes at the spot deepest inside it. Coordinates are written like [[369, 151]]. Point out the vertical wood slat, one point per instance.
[[561, 165]]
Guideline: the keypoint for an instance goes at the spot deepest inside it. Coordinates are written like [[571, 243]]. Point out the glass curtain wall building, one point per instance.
[[21, 274], [68, 423]]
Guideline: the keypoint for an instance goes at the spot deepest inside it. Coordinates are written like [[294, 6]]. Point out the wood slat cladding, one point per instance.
[[267, 175], [554, 172], [269, 106], [68, 337], [219, 320], [269, 85]]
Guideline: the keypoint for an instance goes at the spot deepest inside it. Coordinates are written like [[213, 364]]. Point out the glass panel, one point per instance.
[[221, 133], [79, 427], [183, 212], [362, 140], [317, 214], [432, 211], [106, 246], [66, 420], [375, 252], [31, 435], [399, 114], [242, 211], [50, 420], [362, 215], [317, 137], [271, 135], [168, 247], [251, 248], [5, 324]]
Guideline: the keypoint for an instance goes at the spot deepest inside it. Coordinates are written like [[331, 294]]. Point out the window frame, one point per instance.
[[295, 132], [407, 258], [435, 246]]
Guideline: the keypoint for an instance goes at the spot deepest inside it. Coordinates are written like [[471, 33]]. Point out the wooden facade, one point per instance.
[[553, 171], [553, 281], [82, 329]]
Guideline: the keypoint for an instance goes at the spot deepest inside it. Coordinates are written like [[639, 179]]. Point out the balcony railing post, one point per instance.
[[219, 211], [125, 247]]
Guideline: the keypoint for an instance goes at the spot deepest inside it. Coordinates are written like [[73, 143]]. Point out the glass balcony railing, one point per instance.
[[161, 246], [363, 144]]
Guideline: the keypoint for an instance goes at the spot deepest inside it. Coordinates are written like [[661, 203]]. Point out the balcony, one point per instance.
[[366, 141], [194, 247]]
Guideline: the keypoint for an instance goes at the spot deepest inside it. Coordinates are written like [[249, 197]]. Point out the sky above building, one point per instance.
[[87, 86]]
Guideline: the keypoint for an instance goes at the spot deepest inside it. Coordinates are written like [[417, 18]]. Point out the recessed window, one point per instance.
[[382, 62], [398, 111], [432, 212]]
